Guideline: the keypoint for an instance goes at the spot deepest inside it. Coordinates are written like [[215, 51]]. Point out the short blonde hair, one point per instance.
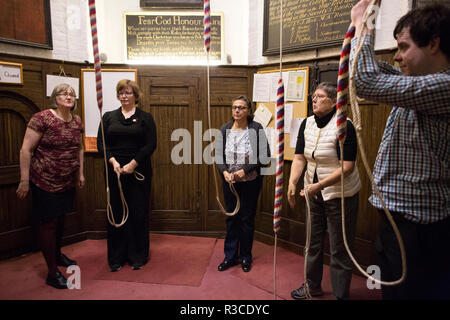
[[62, 87], [133, 85]]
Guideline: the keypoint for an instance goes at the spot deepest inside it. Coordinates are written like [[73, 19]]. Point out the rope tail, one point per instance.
[[98, 87], [345, 86], [307, 243], [207, 43]]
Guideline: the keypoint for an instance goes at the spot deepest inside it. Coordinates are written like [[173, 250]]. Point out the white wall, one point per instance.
[[72, 33], [68, 19], [110, 24], [243, 31]]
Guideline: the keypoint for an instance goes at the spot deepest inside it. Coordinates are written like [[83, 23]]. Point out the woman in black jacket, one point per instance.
[[241, 151], [130, 135]]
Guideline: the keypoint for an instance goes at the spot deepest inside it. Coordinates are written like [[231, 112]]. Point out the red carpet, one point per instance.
[[176, 260], [180, 268], [290, 275]]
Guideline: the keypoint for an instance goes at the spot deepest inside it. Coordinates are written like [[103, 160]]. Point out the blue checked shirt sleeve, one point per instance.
[[385, 84], [412, 165]]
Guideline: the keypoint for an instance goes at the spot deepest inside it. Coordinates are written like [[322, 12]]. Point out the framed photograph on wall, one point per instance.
[[26, 23], [179, 4]]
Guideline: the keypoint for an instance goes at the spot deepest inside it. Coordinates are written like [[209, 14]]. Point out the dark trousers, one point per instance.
[[326, 215], [241, 226], [130, 242], [427, 259]]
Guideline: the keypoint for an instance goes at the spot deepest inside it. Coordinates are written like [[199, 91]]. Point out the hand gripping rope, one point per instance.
[[207, 41], [344, 85], [98, 87]]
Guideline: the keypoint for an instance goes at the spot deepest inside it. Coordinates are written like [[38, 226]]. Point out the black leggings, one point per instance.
[[50, 235]]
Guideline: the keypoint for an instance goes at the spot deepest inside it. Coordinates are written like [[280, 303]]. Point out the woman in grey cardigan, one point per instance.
[[240, 153]]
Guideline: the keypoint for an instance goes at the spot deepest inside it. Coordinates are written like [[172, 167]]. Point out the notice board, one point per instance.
[[297, 104], [171, 37], [91, 114], [306, 24]]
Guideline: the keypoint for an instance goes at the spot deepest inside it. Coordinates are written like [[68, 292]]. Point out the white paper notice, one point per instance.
[[263, 115], [288, 108], [296, 86], [261, 87], [270, 134], [53, 81], [295, 126], [274, 85]]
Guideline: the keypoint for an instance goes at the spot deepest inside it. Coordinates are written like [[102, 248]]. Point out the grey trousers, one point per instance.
[[326, 215]]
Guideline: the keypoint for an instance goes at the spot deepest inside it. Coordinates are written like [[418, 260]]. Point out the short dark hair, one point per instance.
[[249, 105], [427, 23]]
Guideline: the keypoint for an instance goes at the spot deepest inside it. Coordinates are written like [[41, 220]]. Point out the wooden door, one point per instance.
[[173, 100], [16, 222], [225, 84]]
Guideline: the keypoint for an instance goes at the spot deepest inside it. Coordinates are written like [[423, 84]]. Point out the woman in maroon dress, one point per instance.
[[51, 165]]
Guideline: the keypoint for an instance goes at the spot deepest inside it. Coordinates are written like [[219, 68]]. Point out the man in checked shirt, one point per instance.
[[412, 166]]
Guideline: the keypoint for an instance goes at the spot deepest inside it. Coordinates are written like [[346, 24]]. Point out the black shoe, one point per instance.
[[137, 266], [225, 265], [115, 267], [300, 293], [246, 265], [57, 281], [63, 261]]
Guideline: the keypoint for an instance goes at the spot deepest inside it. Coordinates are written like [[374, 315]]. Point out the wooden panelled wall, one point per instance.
[[183, 196]]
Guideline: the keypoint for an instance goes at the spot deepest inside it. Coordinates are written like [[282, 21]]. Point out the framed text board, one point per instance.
[[11, 73], [307, 24], [296, 105], [90, 110], [171, 37], [180, 4]]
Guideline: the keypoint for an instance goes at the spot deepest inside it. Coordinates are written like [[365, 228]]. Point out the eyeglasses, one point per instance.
[[319, 96], [125, 94], [240, 108], [67, 95]]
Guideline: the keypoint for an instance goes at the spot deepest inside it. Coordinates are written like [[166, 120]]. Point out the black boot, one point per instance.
[[57, 281], [64, 261]]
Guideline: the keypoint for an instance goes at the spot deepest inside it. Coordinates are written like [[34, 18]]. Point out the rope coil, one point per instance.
[[347, 84], [99, 90], [307, 243], [207, 44]]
